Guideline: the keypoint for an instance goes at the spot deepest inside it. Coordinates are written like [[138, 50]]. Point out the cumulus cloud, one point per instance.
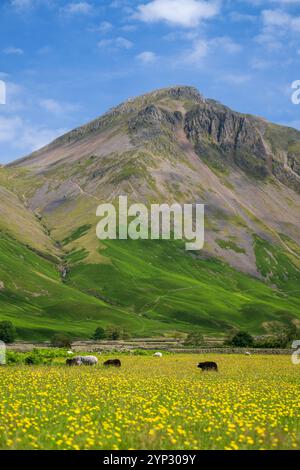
[[81, 8], [20, 134], [147, 57], [20, 4], [104, 27], [115, 43], [200, 48], [197, 52], [277, 26], [55, 107], [187, 13], [280, 19], [227, 44]]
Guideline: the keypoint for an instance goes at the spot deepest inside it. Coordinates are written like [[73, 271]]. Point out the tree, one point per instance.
[[114, 333], [61, 340], [242, 339], [193, 339], [99, 334], [8, 332]]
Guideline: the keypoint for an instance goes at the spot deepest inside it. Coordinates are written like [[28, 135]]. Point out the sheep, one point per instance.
[[112, 362], [157, 354], [208, 366], [88, 360], [82, 360]]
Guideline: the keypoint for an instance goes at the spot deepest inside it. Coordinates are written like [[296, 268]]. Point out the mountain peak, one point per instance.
[[225, 139]]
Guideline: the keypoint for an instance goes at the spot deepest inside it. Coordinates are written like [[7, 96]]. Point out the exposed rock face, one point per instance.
[[151, 122]]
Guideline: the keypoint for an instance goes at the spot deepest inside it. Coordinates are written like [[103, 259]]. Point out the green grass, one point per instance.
[[160, 280], [147, 287], [230, 245], [36, 300], [78, 233]]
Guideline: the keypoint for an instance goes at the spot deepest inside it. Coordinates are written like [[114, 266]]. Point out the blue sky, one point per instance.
[[66, 62]]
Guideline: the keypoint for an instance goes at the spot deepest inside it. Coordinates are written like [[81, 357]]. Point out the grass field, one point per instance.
[[150, 403]]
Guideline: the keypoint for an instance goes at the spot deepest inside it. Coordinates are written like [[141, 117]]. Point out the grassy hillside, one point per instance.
[[159, 280], [33, 296], [147, 287]]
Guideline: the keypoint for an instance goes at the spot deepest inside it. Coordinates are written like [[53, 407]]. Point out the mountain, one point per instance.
[[169, 145]]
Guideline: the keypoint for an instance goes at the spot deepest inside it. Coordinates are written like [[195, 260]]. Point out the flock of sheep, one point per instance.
[[92, 361]]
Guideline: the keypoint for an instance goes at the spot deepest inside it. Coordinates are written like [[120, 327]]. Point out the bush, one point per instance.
[[7, 332], [61, 340], [13, 357], [115, 333], [37, 357], [33, 359], [99, 334], [275, 342], [193, 339], [242, 339]]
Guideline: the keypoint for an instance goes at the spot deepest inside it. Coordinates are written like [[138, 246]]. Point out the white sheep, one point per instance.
[[157, 354], [86, 360]]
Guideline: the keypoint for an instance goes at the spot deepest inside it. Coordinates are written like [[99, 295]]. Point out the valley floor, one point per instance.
[[152, 403]]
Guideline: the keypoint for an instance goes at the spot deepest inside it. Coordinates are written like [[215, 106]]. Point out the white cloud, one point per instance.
[[115, 43], [201, 48], [8, 128], [104, 27], [242, 17], [20, 4], [13, 50], [17, 133], [14, 98], [278, 26], [147, 57], [74, 8], [227, 44], [187, 13], [53, 106], [287, 2], [279, 19], [199, 51]]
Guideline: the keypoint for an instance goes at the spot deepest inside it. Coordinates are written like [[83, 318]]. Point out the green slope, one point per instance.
[[33, 296], [159, 280], [147, 287]]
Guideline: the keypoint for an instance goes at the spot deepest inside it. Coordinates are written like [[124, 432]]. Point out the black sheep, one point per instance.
[[112, 362], [208, 366]]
